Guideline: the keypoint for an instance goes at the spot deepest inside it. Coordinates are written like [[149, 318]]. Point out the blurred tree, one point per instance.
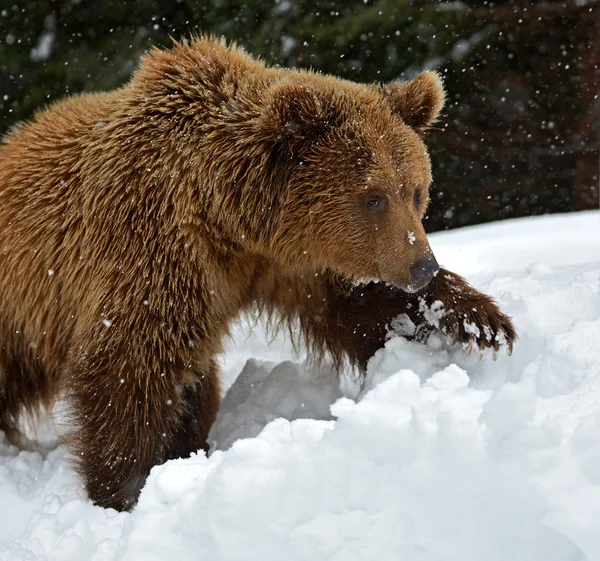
[[520, 134]]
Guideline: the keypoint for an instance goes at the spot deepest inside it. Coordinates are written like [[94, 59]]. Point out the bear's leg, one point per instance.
[[130, 417], [353, 322], [201, 402]]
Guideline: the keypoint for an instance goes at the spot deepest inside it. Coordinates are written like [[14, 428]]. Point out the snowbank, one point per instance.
[[439, 456]]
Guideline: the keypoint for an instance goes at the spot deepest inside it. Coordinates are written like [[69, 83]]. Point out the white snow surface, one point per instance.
[[438, 456]]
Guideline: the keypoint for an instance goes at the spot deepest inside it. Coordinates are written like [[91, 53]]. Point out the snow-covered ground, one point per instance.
[[439, 456]]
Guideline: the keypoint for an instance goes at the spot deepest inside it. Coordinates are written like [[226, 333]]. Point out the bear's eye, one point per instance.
[[375, 203], [418, 199]]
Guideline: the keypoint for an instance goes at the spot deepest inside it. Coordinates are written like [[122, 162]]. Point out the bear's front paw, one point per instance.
[[470, 318]]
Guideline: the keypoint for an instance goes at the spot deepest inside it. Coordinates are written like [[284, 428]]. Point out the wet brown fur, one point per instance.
[[135, 225]]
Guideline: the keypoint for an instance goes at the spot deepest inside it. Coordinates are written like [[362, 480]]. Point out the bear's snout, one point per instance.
[[423, 270]]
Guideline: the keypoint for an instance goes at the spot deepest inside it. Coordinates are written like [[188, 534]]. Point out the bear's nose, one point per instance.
[[423, 270]]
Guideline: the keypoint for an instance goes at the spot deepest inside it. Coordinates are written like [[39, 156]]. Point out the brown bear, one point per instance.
[[136, 225]]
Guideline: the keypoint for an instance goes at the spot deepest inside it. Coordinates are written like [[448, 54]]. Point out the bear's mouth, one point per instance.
[[364, 281], [409, 288]]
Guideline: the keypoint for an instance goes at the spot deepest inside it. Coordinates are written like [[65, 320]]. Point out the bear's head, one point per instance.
[[352, 175], [307, 170]]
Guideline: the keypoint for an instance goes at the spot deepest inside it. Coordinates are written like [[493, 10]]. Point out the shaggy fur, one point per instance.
[[136, 225]]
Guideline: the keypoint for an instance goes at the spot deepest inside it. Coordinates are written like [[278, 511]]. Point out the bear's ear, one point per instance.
[[419, 101], [297, 113]]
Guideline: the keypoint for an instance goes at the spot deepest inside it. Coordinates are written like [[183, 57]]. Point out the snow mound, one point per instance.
[[438, 456], [395, 477]]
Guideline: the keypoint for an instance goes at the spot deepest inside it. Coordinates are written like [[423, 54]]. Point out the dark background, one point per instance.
[[520, 134]]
